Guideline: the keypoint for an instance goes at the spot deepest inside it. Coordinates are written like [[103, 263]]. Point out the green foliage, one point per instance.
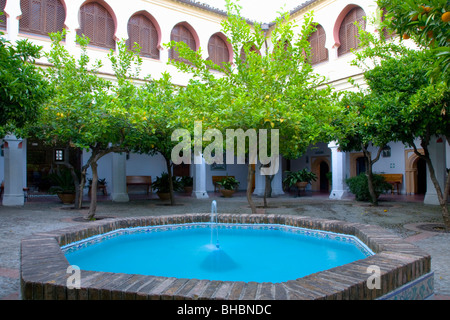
[[62, 182], [262, 89], [229, 183], [22, 85], [161, 184], [187, 181], [425, 23], [358, 185], [304, 175]]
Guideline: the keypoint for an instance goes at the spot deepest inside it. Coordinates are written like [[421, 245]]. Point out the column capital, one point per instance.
[[333, 145]]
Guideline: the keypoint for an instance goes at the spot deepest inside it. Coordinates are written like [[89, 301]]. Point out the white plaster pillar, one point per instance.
[[260, 183], [438, 158], [338, 172], [164, 51], [71, 23], [199, 190], [119, 178], [13, 12], [13, 194]]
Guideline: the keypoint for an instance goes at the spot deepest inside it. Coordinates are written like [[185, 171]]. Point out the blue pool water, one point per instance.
[[261, 255]]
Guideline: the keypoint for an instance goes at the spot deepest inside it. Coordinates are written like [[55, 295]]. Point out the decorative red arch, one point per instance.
[[337, 24]]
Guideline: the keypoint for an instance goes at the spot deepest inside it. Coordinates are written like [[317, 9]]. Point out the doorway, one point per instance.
[[321, 167], [360, 165], [323, 177], [421, 176]]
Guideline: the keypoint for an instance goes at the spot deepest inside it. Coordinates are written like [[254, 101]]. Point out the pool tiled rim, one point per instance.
[[405, 268]]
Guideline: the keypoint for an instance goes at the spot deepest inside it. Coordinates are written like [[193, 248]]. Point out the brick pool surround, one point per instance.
[[43, 266]]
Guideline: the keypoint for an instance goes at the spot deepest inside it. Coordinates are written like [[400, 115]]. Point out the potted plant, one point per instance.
[[299, 178], [63, 186], [229, 185], [188, 183], [161, 186]]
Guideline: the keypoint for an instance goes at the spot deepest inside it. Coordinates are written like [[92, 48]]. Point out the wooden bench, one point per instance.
[[395, 179], [216, 179], [139, 181]]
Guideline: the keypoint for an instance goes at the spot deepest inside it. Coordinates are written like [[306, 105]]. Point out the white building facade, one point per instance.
[[152, 23]]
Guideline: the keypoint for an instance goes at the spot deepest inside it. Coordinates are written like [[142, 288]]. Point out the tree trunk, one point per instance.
[[79, 201], [267, 189], [250, 175], [169, 172], [369, 173], [76, 182], [442, 197], [93, 205]]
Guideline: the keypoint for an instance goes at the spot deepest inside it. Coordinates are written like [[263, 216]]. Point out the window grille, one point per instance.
[[143, 32], [317, 41], [97, 24], [218, 50], [348, 32], [181, 33], [42, 16], [3, 16]]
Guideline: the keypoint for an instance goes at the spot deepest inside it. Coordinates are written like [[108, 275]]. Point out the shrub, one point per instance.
[[360, 188]]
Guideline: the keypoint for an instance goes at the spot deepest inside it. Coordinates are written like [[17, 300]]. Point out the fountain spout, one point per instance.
[[214, 222]]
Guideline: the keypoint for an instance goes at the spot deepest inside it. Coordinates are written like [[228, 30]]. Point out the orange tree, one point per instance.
[[88, 111], [263, 89], [401, 93], [374, 115], [427, 23], [22, 85]]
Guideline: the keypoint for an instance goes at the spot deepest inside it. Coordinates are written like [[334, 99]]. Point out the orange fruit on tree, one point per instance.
[[446, 16], [405, 36]]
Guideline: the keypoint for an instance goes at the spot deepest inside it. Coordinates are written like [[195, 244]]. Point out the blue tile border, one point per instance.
[[420, 289]]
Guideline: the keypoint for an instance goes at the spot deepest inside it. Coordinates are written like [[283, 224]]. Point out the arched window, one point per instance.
[[142, 31], [3, 16], [317, 41], [97, 24], [180, 33], [42, 16], [218, 50], [348, 32]]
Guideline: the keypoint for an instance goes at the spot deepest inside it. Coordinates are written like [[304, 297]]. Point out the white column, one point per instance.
[[438, 158], [71, 24], [338, 172], [199, 190], [260, 183], [14, 174], [12, 10], [119, 178]]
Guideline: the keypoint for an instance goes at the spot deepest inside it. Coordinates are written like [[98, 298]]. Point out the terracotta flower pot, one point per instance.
[[301, 185], [67, 198], [227, 193], [164, 195], [188, 190]]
